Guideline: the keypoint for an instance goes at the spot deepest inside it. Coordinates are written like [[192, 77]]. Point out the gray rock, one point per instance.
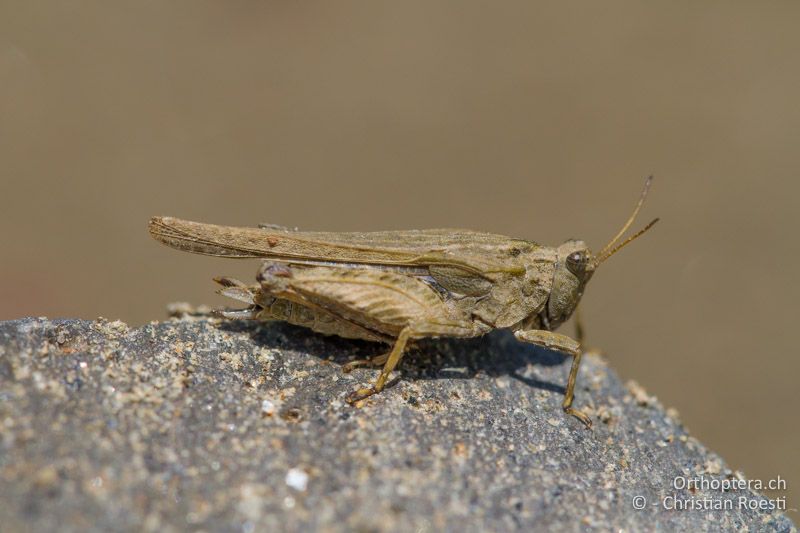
[[199, 424]]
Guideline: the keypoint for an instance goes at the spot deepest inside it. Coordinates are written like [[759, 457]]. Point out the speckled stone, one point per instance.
[[197, 424]]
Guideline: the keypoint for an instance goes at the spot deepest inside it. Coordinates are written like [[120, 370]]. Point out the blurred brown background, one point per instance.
[[533, 120]]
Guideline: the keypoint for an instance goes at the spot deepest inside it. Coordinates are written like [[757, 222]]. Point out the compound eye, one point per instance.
[[576, 263]]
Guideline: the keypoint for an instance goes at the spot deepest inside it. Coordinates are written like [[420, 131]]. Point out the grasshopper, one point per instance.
[[397, 286]]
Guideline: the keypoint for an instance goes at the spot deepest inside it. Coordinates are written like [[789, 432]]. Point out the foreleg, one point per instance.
[[564, 344]]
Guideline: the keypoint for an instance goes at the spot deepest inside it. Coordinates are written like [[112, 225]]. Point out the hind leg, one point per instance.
[[394, 305], [378, 360], [266, 306]]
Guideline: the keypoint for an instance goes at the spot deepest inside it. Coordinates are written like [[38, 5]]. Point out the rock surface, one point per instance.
[[194, 423]]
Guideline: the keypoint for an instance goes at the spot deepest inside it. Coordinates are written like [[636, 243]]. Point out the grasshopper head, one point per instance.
[[576, 264], [574, 268]]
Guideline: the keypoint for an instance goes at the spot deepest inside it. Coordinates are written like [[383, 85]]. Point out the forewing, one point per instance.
[[472, 251]]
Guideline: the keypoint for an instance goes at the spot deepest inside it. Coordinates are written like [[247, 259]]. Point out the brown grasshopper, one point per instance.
[[395, 286]]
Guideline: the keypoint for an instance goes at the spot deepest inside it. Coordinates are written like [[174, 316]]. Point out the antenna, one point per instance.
[[617, 248], [609, 249]]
